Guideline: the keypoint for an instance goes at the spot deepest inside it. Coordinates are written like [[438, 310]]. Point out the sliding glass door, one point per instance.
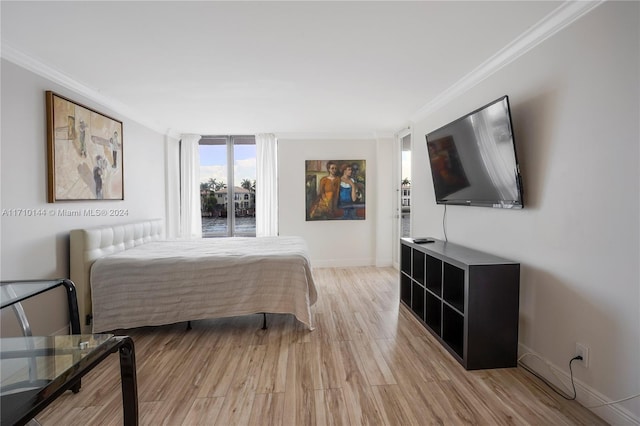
[[228, 186], [405, 187], [402, 222]]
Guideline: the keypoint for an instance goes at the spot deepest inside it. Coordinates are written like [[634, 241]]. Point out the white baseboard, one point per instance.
[[341, 263], [384, 263], [585, 395], [345, 263]]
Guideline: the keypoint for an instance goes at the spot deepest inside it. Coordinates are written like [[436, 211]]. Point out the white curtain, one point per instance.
[[266, 185], [172, 179], [190, 217]]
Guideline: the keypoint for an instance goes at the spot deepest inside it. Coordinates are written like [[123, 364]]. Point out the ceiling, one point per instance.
[[250, 67]]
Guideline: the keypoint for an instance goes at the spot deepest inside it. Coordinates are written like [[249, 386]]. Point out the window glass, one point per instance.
[[227, 200], [405, 213]]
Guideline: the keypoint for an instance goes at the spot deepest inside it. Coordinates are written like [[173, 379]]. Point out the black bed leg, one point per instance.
[[264, 321], [188, 325]]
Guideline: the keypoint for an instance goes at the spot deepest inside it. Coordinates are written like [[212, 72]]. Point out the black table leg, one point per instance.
[[129, 382], [72, 301], [74, 317]]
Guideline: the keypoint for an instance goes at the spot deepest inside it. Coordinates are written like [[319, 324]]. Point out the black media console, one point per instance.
[[469, 300]]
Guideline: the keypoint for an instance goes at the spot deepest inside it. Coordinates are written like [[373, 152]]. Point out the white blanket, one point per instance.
[[165, 282]]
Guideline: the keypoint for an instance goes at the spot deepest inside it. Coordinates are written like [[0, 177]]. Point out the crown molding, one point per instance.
[[30, 63], [173, 134], [403, 132], [326, 136], [555, 21], [383, 134]]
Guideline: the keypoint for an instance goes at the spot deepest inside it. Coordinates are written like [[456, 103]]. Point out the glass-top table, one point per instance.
[[14, 292], [34, 371]]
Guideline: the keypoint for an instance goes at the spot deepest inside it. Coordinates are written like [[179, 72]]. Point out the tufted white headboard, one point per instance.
[[87, 245]]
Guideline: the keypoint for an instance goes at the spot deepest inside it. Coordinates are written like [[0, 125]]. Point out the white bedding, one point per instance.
[[165, 282]]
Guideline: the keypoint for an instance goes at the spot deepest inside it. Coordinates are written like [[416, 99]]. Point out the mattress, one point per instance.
[[171, 281]]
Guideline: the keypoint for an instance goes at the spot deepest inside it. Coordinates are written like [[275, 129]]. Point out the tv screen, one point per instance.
[[473, 159]]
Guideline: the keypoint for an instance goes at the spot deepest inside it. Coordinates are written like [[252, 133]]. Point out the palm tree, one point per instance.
[[212, 184], [246, 184]]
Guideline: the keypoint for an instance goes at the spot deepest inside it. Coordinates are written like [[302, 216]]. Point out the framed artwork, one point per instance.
[[84, 152], [335, 189]]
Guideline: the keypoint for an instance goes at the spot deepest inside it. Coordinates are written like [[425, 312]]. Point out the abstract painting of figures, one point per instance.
[[335, 189], [84, 152]]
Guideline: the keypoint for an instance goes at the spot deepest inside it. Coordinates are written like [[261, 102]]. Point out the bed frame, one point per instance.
[[88, 245]]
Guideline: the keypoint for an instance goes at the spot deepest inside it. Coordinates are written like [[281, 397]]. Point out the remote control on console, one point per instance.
[[423, 240]]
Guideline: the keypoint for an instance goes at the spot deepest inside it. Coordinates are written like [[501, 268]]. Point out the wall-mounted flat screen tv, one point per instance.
[[473, 159]]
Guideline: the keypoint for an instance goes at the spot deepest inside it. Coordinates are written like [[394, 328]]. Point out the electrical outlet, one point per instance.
[[582, 351]]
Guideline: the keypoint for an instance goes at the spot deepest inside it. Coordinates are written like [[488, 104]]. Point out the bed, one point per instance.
[[129, 276]]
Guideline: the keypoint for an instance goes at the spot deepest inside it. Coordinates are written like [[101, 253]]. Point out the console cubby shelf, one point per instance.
[[468, 299]]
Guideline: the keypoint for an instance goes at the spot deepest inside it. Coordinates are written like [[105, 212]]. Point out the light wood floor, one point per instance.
[[367, 362]]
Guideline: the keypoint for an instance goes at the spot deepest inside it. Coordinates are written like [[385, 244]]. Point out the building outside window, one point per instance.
[[228, 172]]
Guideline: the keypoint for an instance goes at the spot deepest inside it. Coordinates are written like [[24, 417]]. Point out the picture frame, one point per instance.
[[335, 189], [84, 152]]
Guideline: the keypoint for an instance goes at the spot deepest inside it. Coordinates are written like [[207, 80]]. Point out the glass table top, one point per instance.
[[29, 360], [34, 368]]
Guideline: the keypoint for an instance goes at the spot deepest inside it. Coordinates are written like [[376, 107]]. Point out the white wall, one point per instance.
[[335, 243], [388, 182], [37, 247], [575, 107]]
